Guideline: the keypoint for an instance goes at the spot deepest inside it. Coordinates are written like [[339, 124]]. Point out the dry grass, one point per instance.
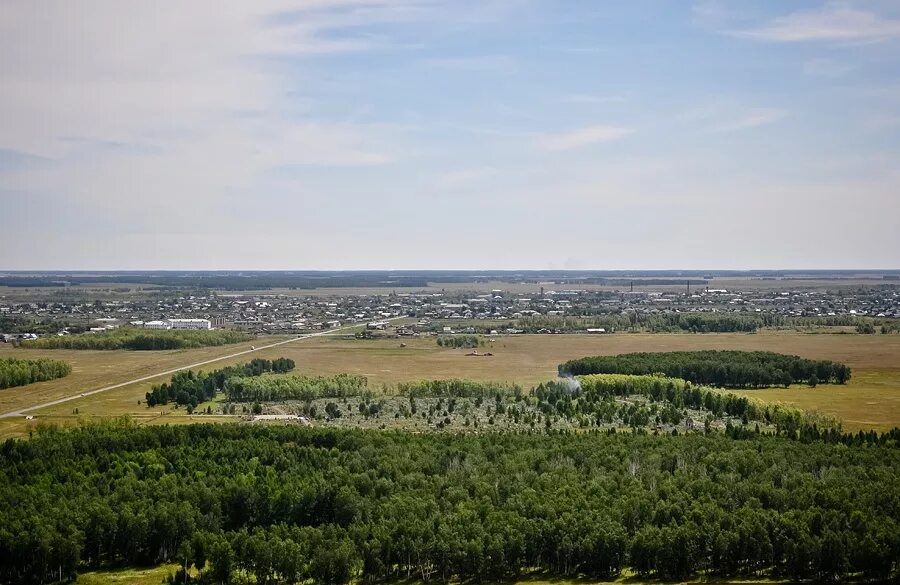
[[131, 576], [95, 369], [870, 400]]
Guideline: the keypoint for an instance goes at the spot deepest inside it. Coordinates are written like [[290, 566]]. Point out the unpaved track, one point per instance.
[[22, 411]]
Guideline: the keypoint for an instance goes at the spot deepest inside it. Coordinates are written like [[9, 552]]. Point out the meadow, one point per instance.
[[155, 575], [871, 400]]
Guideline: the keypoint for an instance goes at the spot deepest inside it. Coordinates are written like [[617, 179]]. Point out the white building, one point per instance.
[[190, 324], [156, 325]]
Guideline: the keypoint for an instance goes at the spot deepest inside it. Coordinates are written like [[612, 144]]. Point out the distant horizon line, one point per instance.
[[450, 270]]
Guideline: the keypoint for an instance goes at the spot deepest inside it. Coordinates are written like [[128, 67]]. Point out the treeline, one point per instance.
[[290, 504], [14, 372], [593, 394], [140, 339], [457, 341], [731, 369], [190, 388], [455, 388], [709, 322], [306, 388]]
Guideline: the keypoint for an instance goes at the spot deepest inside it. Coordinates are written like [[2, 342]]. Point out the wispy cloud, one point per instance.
[[582, 137], [465, 176], [194, 99], [752, 118], [835, 21]]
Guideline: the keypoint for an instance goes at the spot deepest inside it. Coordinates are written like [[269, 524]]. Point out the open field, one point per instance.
[[735, 283], [155, 575], [95, 369], [135, 576], [870, 400]]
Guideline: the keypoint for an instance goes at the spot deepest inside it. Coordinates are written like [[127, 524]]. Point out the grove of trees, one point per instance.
[[457, 341], [191, 388], [140, 339], [15, 372], [306, 388], [287, 504], [723, 368]]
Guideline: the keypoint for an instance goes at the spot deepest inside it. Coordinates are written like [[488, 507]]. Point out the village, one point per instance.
[[498, 311]]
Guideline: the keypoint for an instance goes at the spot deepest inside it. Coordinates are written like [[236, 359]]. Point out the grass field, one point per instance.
[[131, 576], [870, 400], [155, 575], [94, 369]]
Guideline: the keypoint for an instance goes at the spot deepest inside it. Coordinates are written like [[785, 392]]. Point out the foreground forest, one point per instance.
[[287, 504]]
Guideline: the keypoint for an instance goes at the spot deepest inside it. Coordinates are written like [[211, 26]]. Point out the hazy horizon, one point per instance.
[[430, 134]]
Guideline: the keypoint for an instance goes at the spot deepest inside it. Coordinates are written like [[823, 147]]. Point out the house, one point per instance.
[[190, 324]]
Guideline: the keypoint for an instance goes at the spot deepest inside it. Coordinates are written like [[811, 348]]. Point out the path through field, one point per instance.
[[22, 411]]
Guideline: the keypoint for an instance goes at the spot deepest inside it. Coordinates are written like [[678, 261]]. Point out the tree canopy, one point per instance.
[[281, 504], [140, 339], [15, 372], [723, 368]]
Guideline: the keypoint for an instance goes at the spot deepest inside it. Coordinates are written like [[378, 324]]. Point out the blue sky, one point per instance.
[[330, 134]]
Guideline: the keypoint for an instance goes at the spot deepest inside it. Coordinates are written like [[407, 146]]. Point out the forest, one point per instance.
[[722, 368], [306, 388], [287, 504], [189, 388], [15, 372], [140, 339]]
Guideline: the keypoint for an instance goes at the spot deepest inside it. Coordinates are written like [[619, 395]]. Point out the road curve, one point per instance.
[[22, 411]]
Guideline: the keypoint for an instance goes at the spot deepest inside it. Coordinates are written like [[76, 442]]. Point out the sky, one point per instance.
[[449, 134]]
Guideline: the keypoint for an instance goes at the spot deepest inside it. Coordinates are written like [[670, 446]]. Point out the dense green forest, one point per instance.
[[732, 369], [191, 388], [15, 372], [287, 504], [140, 339], [307, 388]]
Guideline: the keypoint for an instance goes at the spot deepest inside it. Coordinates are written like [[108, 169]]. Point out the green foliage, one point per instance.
[[734, 369], [708, 322], [277, 504], [306, 388], [191, 388], [457, 341], [14, 372], [454, 388], [594, 390], [140, 339]]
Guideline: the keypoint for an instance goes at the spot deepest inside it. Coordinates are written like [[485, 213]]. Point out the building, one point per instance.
[[156, 325], [189, 324]]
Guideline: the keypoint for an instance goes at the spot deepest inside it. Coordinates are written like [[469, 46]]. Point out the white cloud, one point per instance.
[[583, 137], [835, 21], [465, 176], [143, 108]]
